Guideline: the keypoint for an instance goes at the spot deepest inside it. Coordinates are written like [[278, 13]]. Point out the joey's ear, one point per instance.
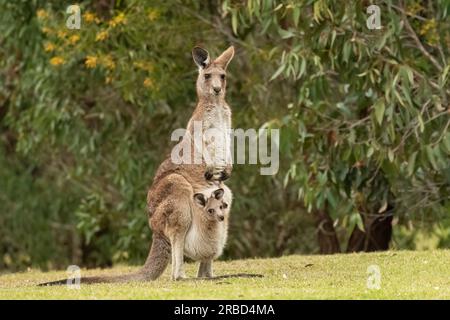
[[224, 59], [201, 57], [199, 198], [218, 194]]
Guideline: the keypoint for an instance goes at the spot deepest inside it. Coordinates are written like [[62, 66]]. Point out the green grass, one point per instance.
[[404, 275]]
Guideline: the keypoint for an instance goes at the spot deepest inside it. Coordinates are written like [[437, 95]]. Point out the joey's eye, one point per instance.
[[210, 211], [222, 76], [224, 206], [207, 76]]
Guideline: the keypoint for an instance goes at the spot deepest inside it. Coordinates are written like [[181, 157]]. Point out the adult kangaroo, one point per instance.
[[170, 198]]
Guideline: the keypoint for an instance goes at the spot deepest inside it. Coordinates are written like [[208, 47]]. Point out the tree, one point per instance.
[[367, 109]]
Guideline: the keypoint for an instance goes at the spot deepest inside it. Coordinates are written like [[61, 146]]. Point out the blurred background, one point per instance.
[[86, 117]]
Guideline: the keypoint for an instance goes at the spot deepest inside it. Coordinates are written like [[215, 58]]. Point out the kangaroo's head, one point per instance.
[[214, 207], [211, 81]]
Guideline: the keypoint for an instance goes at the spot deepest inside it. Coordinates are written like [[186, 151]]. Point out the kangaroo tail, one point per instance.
[[158, 258], [89, 280], [156, 263]]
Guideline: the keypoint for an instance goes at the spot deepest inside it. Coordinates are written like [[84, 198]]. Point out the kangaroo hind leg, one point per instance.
[[205, 269]]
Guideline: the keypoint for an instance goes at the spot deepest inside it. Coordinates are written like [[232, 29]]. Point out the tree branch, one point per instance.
[[419, 44]]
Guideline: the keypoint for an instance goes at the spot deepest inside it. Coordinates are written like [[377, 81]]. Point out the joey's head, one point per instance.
[[211, 81], [214, 208]]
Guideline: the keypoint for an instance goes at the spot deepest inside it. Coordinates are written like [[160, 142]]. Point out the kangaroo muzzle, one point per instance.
[[217, 90]]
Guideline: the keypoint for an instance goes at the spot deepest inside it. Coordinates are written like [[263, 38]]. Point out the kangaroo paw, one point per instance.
[[224, 175], [216, 173], [208, 175], [179, 277]]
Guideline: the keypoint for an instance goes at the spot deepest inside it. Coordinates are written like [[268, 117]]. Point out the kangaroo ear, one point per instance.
[[224, 59], [201, 57], [218, 194], [199, 198]]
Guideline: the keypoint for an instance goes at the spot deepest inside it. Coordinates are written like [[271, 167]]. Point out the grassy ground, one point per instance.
[[404, 275]]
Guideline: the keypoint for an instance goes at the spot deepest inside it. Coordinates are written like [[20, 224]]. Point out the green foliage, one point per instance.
[[35, 225], [363, 117], [366, 105]]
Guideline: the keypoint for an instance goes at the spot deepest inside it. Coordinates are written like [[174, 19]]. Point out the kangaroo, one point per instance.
[[206, 238], [170, 199], [214, 207]]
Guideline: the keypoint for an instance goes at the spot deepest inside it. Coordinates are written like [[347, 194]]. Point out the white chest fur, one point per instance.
[[217, 126], [205, 241]]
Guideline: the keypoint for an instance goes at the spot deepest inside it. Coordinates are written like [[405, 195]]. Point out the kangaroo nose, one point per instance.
[[221, 218], [217, 89]]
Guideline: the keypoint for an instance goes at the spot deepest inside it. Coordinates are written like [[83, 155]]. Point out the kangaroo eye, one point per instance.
[[207, 76], [210, 211], [224, 206], [222, 76]]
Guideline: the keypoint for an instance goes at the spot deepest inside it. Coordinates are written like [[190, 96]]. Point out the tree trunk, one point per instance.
[[375, 237], [326, 235]]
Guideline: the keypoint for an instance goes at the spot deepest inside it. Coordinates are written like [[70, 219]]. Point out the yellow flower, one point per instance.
[[138, 64], [148, 83], [429, 30], [42, 14], [89, 17], [91, 62], [57, 60], [147, 66], [152, 14], [74, 39], [413, 8], [61, 34], [108, 62], [49, 47], [102, 35], [46, 30], [108, 80], [119, 19]]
